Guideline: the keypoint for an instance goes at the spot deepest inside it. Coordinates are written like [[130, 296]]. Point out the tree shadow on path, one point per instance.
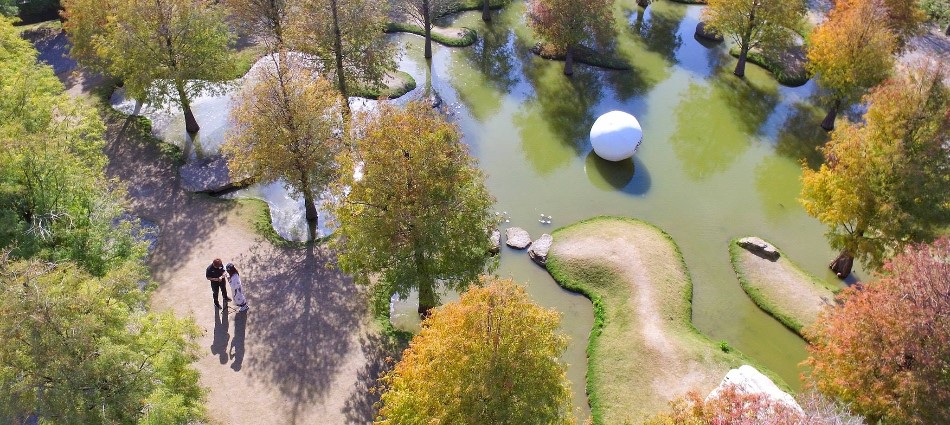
[[306, 317]]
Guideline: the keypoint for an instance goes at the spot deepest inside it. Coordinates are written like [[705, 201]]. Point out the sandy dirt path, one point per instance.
[[304, 353], [648, 352]]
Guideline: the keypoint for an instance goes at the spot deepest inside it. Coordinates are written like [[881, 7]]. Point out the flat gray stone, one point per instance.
[[759, 247], [517, 238], [210, 175], [495, 240], [539, 249]]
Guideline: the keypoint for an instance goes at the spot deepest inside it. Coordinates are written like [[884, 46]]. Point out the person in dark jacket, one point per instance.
[[215, 273]]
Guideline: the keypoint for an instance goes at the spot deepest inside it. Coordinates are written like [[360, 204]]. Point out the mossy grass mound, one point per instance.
[[446, 36], [788, 66], [584, 55], [781, 288], [644, 350], [397, 84]]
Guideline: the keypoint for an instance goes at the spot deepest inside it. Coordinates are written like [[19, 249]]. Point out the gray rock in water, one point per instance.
[[434, 100], [539, 249], [759, 247], [706, 33], [210, 175], [517, 238], [495, 240]]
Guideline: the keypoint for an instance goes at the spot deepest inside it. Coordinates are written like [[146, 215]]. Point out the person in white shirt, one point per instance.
[[234, 278]]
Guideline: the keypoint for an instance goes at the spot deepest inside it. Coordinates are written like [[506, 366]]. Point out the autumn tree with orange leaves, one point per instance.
[[732, 405], [902, 17], [492, 357], [850, 53], [884, 183], [886, 349]]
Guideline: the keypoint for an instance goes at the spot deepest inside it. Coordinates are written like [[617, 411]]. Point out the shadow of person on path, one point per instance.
[[236, 352], [307, 318], [219, 345]]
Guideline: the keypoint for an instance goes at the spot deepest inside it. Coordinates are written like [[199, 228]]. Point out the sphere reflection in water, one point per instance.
[[629, 176]]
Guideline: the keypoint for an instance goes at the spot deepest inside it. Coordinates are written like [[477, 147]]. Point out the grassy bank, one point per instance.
[[584, 55], [787, 74], [467, 36], [644, 350], [398, 84], [781, 288]]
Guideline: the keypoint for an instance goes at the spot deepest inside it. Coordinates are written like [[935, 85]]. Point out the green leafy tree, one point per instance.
[[288, 127], [939, 11], [265, 19], [8, 8], [850, 53], [79, 350], [55, 201], [754, 23], [412, 206], [422, 12], [86, 22], [884, 183], [566, 24], [345, 38], [164, 50], [886, 349], [489, 358]]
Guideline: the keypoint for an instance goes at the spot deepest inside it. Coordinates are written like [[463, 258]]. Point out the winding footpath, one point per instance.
[[304, 353]]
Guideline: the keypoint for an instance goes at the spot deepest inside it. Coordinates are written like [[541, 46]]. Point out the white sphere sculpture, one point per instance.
[[616, 136]]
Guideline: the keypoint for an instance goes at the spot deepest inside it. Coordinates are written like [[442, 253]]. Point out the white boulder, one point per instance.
[[616, 136], [750, 381], [517, 238], [539, 249]]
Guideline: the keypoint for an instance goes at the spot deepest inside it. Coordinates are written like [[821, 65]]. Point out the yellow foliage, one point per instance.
[[489, 358]]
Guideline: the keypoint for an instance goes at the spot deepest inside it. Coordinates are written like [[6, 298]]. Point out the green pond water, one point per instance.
[[720, 159]]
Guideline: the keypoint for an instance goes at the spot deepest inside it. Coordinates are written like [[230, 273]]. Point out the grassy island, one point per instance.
[[643, 350], [781, 288]]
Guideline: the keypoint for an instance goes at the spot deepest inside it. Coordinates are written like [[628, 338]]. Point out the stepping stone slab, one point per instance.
[[210, 175], [517, 238], [495, 240], [759, 247], [539, 249]]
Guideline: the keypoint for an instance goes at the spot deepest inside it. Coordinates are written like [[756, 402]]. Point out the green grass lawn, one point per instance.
[[644, 350]]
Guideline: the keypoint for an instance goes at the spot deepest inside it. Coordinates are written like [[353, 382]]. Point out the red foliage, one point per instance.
[[886, 350]]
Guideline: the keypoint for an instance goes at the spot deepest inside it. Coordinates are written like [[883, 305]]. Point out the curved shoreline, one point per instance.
[[644, 350]]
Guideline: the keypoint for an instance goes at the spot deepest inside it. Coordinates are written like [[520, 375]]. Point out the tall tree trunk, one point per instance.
[[569, 61], [486, 10], [638, 24], [740, 67], [427, 24], [426, 298], [947, 32], [191, 124], [829, 122], [338, 51], [312, 216], [842, 264], [277, 26]]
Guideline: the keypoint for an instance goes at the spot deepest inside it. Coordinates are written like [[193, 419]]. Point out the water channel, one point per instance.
[[720, 159]]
